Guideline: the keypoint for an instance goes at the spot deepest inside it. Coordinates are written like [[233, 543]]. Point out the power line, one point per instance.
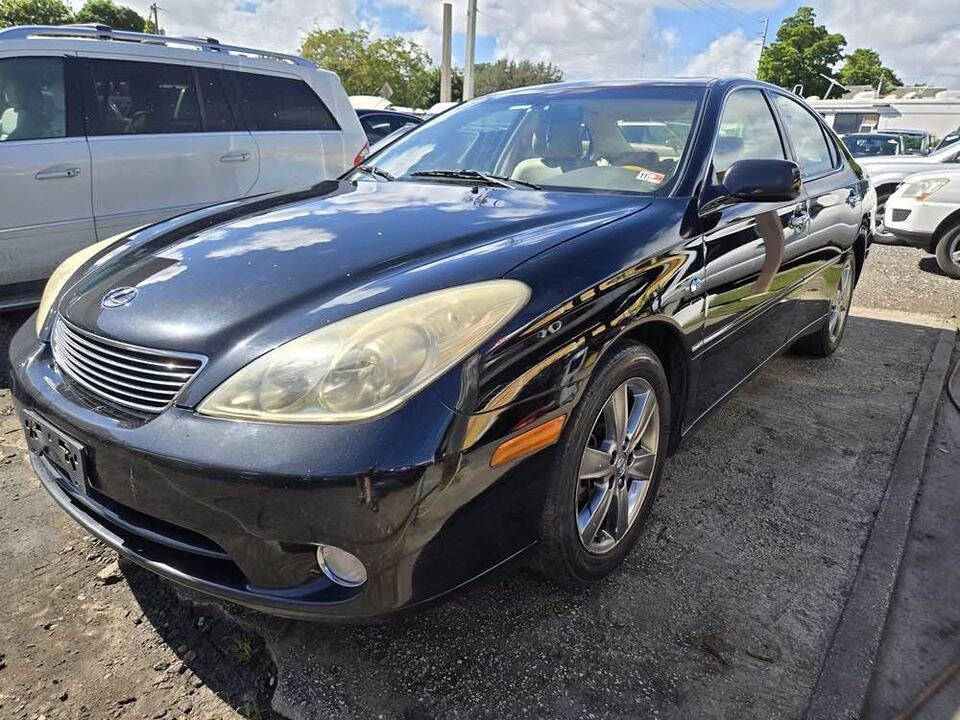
[[738, 11], [702, 14], [736, 24]]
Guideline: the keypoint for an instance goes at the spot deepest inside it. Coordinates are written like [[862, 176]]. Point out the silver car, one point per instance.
[[886, 173]]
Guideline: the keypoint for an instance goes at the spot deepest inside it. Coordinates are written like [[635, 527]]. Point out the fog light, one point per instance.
[[340, 566]]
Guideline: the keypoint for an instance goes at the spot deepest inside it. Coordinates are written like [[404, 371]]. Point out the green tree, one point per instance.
[[34, 12], [508, 74], [456, 86], [118, 17], [364, 65], [863, 67], [801, 52]]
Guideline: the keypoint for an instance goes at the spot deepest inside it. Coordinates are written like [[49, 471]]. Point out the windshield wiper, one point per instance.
[[376, 172], [495, 180]]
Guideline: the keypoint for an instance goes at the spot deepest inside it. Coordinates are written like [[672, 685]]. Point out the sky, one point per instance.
[[596, 38]]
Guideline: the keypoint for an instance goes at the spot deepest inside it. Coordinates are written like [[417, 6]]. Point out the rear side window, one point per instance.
[[135, 98], [217, 115], [809, 141], [378, 125], [747, 132], [278, 103], [32, 100]]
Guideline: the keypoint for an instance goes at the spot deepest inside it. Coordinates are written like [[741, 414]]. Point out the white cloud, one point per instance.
[[730, 54], [274, 25], [918, 40]]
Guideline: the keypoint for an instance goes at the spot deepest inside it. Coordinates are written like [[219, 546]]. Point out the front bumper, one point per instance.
[[236, 509], [913, 222]]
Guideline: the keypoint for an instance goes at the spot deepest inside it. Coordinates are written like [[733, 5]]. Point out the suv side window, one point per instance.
[[217, 115], [135, 98], [809, 141], [32, 99], [747, 132], [277, 103]]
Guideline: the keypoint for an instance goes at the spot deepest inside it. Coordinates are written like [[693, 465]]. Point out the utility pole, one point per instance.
[[446, 59], [470, 50], [763, 42], [155, 9]]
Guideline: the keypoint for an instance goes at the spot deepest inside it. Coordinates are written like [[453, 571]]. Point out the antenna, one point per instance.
[[832, 83]]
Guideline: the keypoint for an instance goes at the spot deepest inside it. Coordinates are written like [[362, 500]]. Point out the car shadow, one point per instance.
[[231, 662], [929, 265]]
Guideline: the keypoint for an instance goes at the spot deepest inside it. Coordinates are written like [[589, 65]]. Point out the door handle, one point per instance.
[[52, 173], [800, 218], [235, 157]]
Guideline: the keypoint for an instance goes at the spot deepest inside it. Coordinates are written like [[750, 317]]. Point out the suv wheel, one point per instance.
[[948, 252]]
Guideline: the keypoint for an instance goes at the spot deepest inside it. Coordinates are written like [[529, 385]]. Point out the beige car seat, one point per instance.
[[557, 141]]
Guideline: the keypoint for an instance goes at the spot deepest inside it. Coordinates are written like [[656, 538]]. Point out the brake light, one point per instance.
[[364, 151]]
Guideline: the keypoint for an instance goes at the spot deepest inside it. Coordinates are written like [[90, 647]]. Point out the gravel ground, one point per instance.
[[724, 610], [905, 279]]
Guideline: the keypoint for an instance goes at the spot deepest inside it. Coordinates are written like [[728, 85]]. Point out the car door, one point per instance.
[[163, 140], [748, 310], [834, 196], [44, 173], [299, 139]]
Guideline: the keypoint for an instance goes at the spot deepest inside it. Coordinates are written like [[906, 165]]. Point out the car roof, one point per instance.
[[580, 85], [97, 37]]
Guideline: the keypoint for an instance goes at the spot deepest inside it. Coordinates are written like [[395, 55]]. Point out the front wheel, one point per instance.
[[606, 469], [825, 341], [948, 252]]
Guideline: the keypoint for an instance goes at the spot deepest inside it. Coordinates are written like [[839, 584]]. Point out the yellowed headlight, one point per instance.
[[367, 365], [65, 271]]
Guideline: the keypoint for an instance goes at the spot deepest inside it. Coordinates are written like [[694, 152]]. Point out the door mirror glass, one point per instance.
[[756, 180]]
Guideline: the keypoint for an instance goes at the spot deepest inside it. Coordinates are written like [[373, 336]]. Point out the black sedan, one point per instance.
[[378, 124], [480, 347]]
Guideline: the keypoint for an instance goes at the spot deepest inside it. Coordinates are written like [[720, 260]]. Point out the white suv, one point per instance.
[[102, 131]]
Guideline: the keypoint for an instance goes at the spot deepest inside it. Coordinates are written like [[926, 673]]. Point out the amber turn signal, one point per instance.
[[529, 441]]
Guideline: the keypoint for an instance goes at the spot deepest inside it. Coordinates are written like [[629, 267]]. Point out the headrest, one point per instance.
[[559, 132]]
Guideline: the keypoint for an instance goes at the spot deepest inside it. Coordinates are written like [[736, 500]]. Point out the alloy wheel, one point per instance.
[[840, 302], [954, 252], [617, 465]]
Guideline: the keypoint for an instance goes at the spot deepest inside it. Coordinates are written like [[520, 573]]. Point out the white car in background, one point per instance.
[[924, 212], [887, 172], [102, 131]]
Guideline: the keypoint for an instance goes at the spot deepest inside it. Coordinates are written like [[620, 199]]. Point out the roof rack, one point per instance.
[[96, 31]]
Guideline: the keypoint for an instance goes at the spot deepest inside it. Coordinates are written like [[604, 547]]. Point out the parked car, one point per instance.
[[104, 130], [914, 142], [377, 124], [924, 212], [387, 139], [886, 173], [873, 144], [949, 139], [478, 347]]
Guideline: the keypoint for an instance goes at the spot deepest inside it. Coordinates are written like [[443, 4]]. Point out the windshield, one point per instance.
[[594, 140], [872, 145]]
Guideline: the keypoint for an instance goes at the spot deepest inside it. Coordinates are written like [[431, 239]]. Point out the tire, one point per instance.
[[635, 374], [948, 252], [826, 339]]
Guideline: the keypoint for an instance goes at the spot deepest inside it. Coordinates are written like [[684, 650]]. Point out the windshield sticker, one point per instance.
[[650, 176]]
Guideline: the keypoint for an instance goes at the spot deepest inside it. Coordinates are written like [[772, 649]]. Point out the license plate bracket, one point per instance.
[[57, 448]]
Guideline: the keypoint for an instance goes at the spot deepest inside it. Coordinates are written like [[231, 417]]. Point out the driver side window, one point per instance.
[[747, 132]]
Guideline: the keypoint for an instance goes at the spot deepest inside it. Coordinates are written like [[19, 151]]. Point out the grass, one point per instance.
[[242, 649]]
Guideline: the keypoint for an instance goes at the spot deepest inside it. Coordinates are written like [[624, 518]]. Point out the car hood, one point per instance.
[[256, 273], [903, 165]]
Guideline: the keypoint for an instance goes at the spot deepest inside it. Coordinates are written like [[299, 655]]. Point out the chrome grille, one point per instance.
[[127, 375]]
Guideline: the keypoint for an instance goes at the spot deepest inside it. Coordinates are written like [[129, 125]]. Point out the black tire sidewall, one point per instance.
[[563, 555], [949, 241]]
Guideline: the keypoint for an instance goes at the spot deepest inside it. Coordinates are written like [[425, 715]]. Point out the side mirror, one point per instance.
[[755, 181]]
